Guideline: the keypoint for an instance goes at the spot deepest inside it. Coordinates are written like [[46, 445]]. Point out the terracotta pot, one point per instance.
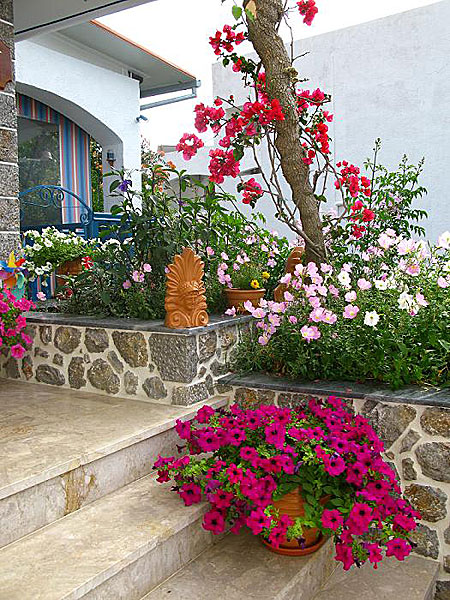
[[292, 504], [70, 267], [237, 297]]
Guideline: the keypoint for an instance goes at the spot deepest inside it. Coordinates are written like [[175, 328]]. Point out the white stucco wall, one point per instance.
[[389, 78], [105, 103]]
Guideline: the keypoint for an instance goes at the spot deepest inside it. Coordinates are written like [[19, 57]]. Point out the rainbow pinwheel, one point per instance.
[[11, 275]]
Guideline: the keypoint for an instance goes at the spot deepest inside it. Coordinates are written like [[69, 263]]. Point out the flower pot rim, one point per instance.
[[233, 289]]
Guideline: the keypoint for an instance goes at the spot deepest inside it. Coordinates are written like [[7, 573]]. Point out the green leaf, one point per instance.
[[237, 12]]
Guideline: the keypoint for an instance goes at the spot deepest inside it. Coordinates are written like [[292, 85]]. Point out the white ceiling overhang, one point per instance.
[[32, 17]]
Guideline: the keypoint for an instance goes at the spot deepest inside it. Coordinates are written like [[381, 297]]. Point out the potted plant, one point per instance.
[[54, 250], [244, 280], [293, 477]]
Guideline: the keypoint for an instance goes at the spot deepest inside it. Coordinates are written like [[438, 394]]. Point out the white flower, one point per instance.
[[444, 240], [344, 279], [405, 301], [371, 318], [380, 284], [35, 248]]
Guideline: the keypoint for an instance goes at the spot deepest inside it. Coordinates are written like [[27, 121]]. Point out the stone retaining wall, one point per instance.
[[157, 364], [415, 428]]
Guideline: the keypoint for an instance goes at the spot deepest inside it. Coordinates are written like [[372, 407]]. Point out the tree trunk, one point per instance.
[[280, 82]]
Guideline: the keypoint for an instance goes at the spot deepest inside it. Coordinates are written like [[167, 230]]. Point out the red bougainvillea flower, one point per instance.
[[251, 191], [308, 10], [189, 145]]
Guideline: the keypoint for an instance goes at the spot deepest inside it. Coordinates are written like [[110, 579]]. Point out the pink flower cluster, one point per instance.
[[189, 144], [308, 9], [224, 41], [319, 446], [13, 323]]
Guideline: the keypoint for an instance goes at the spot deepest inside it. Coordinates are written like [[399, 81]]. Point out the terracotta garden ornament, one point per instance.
[[185, 295], [294, 259]]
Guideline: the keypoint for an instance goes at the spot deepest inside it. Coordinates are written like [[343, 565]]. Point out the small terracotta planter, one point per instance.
[[70, 267], [292, 504], [237, 297]]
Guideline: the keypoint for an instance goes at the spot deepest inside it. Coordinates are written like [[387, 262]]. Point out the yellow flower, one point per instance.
[[255, 284], [265, 275]]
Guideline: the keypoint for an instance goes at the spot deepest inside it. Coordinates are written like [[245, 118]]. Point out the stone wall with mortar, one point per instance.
[[417, 444], [167, 366], [9, 170]]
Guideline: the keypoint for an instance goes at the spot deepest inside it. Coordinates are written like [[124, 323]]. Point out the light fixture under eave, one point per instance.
[[110, 158]]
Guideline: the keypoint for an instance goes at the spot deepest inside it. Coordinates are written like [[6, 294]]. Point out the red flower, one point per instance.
[[214, 521], [189, 144], [308, 9], [87, 262]]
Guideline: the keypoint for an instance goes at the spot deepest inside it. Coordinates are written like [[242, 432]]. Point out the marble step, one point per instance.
[[117, 548], [63, 449], [241, 568], [412, 579]]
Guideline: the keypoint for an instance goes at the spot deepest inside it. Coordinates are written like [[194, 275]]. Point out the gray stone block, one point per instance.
[[8, 242], [102, 377], [8, 145], [8, 115], [436, 421], [115, 362], [207, 345], [408, 470], [154, 388], [434, 459], [131, 382], [50, 375], [96, 340], [429, 501], [9, 214], [9, 180], [410, 439], [132, 347], [6, 10], [187, 395], [426, 541], [76, 373], [175, 356], [67, 339], [390, 421], [7, 36]]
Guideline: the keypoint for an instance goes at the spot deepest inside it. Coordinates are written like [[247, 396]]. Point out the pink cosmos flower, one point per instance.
[[350, 296], [420, 299], [406, 247], [17, 351], [147, 268], [41, 296], [288, 296], [231, 312], [137, 276], [350, 311], [209, 251], [442, 282], [310, 333], [126, 284], [263, 340], [293, 319]]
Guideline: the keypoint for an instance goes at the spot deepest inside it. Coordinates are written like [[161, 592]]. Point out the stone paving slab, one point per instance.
[[118, 547], [427, 396], [412, 579], [242, 568], [47, 431], [49, 318]]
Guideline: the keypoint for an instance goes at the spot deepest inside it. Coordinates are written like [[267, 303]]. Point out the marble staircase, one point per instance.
[[82, 517]]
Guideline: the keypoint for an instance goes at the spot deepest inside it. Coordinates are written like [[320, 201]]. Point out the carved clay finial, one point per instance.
[[185, 295], [294, 258]]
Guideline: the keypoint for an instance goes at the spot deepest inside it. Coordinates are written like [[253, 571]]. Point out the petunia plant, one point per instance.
[[241, 461], [13, 323]]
